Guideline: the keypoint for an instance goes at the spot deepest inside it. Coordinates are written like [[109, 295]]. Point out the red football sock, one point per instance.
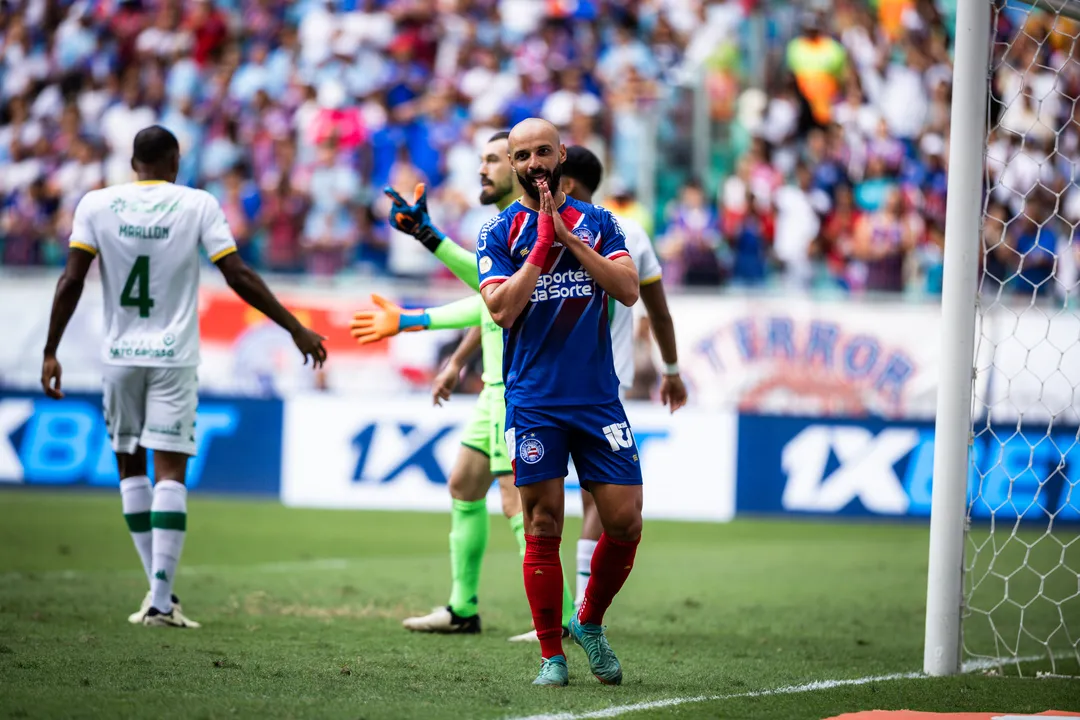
[[611, 564], [544, 587]]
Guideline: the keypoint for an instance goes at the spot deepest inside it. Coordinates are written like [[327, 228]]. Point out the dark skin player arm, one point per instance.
[[672, 389], [652, 295], [251, 288], [68, 291]]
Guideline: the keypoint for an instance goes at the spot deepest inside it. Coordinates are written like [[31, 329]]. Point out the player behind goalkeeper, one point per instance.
[[147, 236], [547, 265], [581, 175], [482, 455]]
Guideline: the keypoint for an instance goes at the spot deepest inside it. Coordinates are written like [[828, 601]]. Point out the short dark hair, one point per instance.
[[154, 144], [501, 135], [581, 164]]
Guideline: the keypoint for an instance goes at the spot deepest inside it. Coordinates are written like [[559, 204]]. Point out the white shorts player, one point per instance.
[[147, 236]]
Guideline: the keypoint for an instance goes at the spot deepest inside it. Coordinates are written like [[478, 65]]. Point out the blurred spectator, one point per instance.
[[819, 64], [749, 231], [883, 240], [799, 208], [1034, 242], [119, 125], [692, 241], [831, 172], [240, 201], [836, 242], [208, 29], [283, 215], [330, 231], [27, 223]]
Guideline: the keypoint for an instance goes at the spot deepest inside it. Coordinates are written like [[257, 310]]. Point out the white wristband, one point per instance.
[[671, 368]]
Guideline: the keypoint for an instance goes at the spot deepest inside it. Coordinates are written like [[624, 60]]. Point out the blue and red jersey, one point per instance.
[[559, 350]]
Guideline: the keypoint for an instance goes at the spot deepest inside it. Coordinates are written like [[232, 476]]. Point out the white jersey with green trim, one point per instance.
[[620, 316], [146, 236]]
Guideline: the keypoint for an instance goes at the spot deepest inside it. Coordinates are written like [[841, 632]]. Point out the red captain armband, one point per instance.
[[545, 237]]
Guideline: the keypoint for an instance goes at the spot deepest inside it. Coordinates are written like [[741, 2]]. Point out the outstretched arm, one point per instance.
[[460, 261], [370, 326], [459, 314], [68, 291], [246, 283]]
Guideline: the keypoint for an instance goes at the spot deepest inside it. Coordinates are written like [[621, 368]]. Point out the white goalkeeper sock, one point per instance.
[[136, 498], [585, 549], [168, 518]]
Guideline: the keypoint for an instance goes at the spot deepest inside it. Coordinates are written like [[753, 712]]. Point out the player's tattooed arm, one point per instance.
[[246, 283], [672, 389], [68, 291], [447, 379]]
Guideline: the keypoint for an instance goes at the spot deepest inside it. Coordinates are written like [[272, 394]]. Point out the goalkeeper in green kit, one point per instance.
[[483, 454]]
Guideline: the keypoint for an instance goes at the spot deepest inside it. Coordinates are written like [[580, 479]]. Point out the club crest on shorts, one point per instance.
[[531, 450]]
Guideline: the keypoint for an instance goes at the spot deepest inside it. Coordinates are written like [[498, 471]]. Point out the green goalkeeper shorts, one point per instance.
[[484, 433]]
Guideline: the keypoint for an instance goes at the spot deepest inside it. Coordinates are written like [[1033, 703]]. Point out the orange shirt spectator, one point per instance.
[[819, 64]]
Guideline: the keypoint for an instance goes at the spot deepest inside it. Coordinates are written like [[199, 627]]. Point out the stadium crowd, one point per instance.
[[295, 115]]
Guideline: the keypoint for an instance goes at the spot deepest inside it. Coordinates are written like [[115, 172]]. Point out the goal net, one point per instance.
[[1021, 572]]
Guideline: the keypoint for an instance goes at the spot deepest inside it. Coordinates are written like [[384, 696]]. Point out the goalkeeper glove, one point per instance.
[[370, 326], [414, 219]]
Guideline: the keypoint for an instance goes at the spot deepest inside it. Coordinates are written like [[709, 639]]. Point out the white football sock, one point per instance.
[[136, 498], [168, 517], [585, 549]]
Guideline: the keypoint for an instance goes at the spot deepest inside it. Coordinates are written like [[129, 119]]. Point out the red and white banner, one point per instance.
[[789, 355], [809, 357]]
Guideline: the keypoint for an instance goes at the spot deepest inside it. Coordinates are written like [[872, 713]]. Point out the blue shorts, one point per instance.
[[541, 442]]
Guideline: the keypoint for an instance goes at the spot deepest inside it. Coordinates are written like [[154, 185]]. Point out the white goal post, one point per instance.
[[987, 567]]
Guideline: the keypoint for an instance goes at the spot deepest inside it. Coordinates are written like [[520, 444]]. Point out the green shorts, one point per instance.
[[484, 433]]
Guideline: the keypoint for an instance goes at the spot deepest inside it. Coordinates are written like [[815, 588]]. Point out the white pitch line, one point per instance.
[[669, 702], [618, 710]]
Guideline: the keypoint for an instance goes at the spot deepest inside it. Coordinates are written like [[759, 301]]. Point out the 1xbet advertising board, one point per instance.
[[874, 467], [58, 443], [398, 454]]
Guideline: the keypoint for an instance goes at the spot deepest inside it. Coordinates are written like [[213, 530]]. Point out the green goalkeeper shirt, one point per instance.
[[471, 311]]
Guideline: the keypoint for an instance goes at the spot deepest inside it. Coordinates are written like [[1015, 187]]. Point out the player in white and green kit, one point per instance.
[[483, 454], [146, 236]]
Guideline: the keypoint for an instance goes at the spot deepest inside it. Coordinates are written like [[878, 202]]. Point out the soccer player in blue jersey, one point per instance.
[[547, 264]]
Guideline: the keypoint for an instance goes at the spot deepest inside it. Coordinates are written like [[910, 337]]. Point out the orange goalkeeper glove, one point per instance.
[[370, 326]]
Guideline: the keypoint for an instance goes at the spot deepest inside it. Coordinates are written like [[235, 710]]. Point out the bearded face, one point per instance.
[[528, 181]]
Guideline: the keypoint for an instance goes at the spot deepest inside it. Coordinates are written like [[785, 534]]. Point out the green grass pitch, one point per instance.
[[302, 610]]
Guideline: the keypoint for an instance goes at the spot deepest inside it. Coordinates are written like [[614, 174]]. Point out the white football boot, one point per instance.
[[136, 618], [173, 618], [443, 620]]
